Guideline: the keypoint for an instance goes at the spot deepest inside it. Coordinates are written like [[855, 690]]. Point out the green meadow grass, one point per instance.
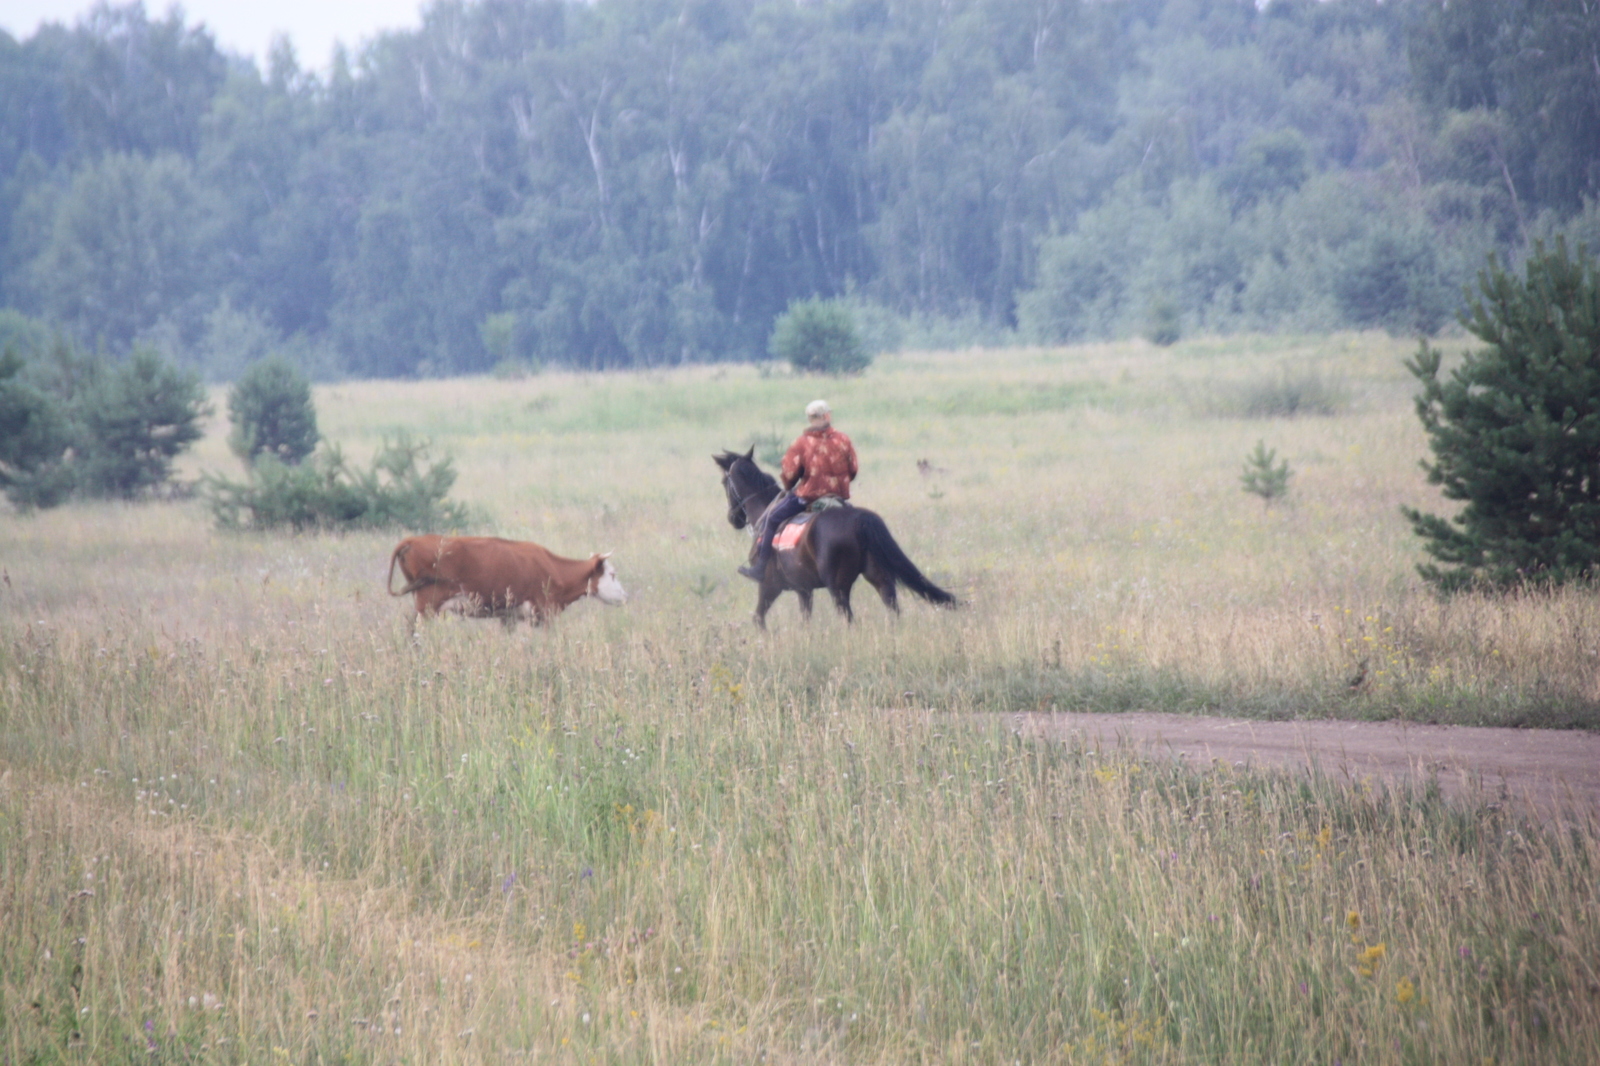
[[246, 816]]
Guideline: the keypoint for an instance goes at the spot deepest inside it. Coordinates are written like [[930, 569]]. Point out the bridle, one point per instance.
[[744, 501]]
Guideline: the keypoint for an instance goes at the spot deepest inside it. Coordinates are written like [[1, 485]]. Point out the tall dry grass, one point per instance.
[[244, 816]]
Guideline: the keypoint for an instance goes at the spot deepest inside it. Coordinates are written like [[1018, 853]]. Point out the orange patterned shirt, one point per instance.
[[823, 461]]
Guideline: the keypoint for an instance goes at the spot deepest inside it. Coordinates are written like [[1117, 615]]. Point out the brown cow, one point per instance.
[[486, 577]]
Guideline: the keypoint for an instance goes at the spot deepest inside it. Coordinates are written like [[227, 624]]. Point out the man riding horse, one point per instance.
[[821, 462]]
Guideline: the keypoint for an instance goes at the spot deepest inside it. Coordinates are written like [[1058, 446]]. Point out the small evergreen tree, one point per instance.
[[1262, 477], [819, 337], [135, 418], [1515, 430], [271, 410], [34, 435]]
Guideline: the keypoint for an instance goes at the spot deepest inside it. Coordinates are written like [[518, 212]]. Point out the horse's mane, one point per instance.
[[763, 479], [746, 470]]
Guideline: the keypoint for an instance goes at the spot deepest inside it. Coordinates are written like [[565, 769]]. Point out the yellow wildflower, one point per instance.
[[1353, 919], [1404, 990]]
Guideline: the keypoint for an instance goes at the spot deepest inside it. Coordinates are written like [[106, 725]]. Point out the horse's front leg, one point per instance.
[[805, 603], [770, 591]]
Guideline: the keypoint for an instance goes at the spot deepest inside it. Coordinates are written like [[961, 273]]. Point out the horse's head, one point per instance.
[[744, 483]]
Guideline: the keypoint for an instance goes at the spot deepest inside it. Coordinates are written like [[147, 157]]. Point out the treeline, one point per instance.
[[641, 182]]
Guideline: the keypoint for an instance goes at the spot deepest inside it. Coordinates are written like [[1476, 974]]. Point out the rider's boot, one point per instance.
[[756, 568]]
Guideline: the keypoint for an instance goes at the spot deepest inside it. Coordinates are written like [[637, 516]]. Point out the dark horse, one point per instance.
[[840, 545]]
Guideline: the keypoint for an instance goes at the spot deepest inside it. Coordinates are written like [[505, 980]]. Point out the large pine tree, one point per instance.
[[1515, 431]]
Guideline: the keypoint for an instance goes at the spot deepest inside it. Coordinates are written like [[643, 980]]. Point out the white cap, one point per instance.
[[818, 408]]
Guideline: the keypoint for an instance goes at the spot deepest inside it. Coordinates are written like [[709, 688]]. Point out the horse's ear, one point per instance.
[[750, 455], [724, 460]]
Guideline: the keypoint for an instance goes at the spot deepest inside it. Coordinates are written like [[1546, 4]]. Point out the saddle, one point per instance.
[[789, 534]]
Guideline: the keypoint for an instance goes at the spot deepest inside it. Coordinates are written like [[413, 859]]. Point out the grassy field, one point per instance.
[[246, 817]]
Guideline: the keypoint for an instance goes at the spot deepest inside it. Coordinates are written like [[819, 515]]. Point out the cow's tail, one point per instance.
[[411, 586], [881, 545]]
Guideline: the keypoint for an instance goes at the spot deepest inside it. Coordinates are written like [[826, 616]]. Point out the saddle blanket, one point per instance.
[[788, 537]]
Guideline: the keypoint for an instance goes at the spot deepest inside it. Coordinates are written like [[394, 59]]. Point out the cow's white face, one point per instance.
[[607, 589]]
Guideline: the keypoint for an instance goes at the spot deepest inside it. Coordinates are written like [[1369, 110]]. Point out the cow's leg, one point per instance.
[[805, 603], [429, 600]]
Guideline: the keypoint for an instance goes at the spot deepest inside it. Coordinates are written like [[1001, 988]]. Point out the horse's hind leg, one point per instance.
[[884, 582], [841, 600], [804, 596]]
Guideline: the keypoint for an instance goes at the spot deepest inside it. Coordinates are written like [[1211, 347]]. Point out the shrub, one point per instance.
[[33, 437], [1515, 430], [71, 423], [272, 413], [819, 337], [399, 491], [1163, 326], [1288, 393], [134, 419]]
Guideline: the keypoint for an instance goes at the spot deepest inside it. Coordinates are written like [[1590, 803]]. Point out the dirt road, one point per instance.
[[1552, 771]]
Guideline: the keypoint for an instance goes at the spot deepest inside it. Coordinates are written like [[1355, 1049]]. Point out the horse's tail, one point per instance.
[[881, 545]]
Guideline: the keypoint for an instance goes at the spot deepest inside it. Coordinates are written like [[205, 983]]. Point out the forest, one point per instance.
[[652, 182]]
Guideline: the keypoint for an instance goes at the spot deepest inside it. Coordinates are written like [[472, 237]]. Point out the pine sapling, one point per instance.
[[1262, 476]]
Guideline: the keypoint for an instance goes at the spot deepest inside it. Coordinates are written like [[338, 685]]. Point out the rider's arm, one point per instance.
[[793, 467]]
